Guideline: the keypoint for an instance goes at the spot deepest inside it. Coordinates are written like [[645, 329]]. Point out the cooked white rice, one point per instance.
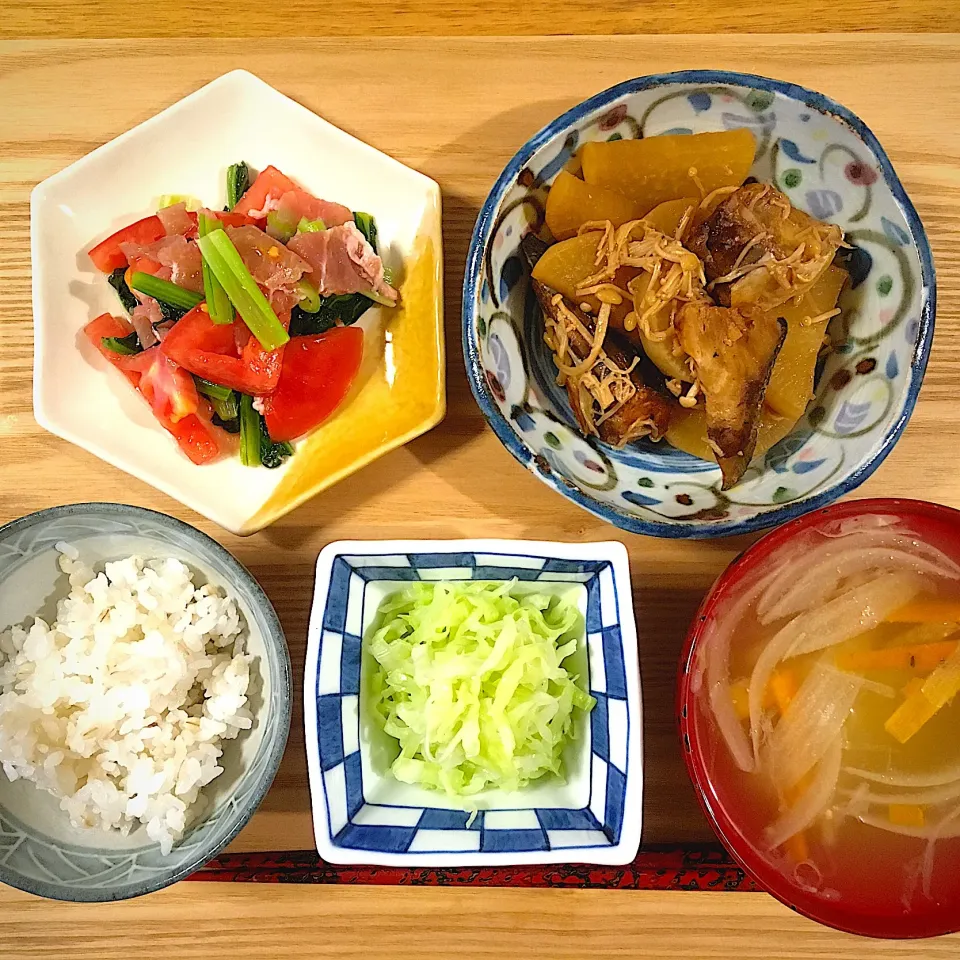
[[120, 705]]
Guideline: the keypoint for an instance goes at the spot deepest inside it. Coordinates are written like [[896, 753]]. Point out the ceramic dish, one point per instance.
[[850, 898], [39, 850], [399, 392], [830, 165], [361, 814]]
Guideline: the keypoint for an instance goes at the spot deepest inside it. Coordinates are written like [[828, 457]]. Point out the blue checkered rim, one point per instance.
[[689, 529], [444, 831]]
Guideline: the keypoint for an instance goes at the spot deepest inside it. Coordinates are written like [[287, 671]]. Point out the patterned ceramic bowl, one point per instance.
[[830, 165], [362, 814], [39, 850]]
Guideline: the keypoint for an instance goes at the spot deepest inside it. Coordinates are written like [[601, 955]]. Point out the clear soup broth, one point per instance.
[[827, 720]]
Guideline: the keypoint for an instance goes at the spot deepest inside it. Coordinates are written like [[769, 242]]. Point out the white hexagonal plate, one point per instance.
[[186, 149]]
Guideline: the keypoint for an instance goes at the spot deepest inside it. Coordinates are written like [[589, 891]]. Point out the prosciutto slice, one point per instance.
[[295, 204], [143, 318], [271, 264], [179, 260], [343, 262], [177, 220]]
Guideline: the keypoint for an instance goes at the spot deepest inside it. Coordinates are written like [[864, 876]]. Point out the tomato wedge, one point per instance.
[[170, 391], [271, 184], [317, 374], [107, 255], [223, 353]]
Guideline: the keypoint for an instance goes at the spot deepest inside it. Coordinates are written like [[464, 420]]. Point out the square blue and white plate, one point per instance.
[[362, 814]]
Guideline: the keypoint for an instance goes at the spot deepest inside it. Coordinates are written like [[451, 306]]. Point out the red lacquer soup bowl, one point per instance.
[[867, 864]]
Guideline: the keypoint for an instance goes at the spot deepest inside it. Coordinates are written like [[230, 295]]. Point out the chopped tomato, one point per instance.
[[271, 184], [316, 376], [107, 255], [170, 391], [198, 438], [107, 325], [234, 219], [223, 353]]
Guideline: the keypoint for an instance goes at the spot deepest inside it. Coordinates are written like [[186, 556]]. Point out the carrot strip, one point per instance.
[[923, 703], [913, 687], [906, 814], [741, 700], [909, 717], [923, 657], [739, 694], [927, 611], [783, 685], [797, 847], [944, 683]]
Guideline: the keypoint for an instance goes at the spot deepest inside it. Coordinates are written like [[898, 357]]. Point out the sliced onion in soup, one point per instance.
[[820, 581], [850, 614], [901, 778], [812, 723], [925, 797], [815, 553], [814, 802]]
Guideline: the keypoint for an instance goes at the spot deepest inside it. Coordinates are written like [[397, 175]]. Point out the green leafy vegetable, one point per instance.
[[165, 291], [250, 438], [256, 447], [127, 345], [309, 297], [367, 225], [238, 182], [347, 309], [218, 303], [231, 426], [228, 409], [278, 228], [118, 281], [228, 267], [272, 454], [212, 390], [471, 682], [170, 312], [310, 226], [225, 402]]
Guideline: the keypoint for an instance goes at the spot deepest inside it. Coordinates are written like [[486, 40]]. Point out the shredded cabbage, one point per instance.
[[470, 682]]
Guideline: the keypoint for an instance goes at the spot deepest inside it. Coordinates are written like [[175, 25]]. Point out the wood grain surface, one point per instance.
[[456, 110], [194, 921], [51, 19]]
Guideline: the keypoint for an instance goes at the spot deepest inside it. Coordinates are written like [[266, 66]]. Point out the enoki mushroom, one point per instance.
[[601, 386]]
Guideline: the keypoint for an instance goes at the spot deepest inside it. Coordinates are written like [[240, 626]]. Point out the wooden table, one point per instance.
[[455, 109]]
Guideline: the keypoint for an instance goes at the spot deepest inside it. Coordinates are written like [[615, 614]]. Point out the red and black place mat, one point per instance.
[[655, 868]]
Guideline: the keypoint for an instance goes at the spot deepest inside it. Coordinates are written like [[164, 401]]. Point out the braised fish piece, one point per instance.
[[759, 250], [733, 350], [607, 394]]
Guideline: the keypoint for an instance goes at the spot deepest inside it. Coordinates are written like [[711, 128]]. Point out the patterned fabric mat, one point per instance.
[[657, 867]]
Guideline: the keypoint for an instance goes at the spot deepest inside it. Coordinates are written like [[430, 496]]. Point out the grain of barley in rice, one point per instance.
[[119, 707]]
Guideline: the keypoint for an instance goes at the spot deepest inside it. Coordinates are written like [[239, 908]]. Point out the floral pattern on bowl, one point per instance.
[[830, 165]]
